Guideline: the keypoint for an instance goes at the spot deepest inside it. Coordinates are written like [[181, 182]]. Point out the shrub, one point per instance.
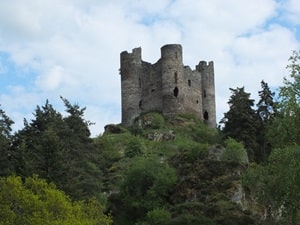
[[36, 202], [152, 120], [158, 216], [134, 148], [234, 152]]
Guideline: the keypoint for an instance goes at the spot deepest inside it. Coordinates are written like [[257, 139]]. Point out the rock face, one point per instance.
[[159, 136], [167, 86], [113, 129]]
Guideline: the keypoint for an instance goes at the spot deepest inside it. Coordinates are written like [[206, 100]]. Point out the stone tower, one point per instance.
[[167, 86]]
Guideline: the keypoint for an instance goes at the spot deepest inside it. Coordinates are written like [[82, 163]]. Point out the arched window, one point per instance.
[[205, 115], [175, 91]]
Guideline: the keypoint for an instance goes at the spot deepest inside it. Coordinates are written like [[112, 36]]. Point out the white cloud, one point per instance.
[[292, 8], [73, 47], [52, 80]]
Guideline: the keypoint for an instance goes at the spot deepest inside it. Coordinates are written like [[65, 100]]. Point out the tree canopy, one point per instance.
[[36, 202], [240, 122]]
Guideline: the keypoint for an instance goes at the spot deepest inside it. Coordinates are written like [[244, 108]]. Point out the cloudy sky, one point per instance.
[[71, 48]]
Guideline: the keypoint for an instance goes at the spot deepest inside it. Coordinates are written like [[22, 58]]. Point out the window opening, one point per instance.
[[205, 115], [197, 101], [141, 104], [176, 55], [175, 91], [189, 83], [204, 93]]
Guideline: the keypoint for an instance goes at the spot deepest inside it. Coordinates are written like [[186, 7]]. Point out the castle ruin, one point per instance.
[[168, 86]]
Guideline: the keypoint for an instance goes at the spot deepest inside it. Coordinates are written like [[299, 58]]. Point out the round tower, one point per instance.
[[131, 67], [208, 93], [172, 79]]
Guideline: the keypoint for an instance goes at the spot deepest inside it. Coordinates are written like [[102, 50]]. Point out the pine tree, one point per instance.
[[5, 144], [59, 150], [241, 122], [38, 146], [266, 111], [84, 174]]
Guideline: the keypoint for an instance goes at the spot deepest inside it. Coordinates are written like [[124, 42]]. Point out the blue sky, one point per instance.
[[71, 48]]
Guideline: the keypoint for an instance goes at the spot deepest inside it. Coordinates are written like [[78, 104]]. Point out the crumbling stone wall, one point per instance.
[[166, 86]]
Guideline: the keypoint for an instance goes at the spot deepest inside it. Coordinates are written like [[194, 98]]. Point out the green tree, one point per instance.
[[5, 144], [60, 150], [285, 128], [83, 173], [135, 147], [266, 106], [266, 110], [234, 152], [36, 202], [241, 122], [277, 184], [146, 187], [39, 148]]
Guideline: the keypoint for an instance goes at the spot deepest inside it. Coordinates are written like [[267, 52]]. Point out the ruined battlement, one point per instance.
[[167, 86]]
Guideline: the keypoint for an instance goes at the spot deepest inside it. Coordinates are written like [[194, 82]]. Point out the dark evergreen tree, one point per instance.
[[5, 144], [39, 148], [266, 110], [60, 150], [241, 122], [266, 107], [84, 174]]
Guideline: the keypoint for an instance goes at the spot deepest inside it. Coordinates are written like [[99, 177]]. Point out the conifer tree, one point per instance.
[[59, 150], [266, 111], [241, 122], [5, 144]]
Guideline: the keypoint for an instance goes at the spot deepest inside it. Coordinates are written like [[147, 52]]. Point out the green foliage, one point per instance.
[[285, 128], [146, 186], [60, 150], [35, 202], [234, 152], [241, 121], [5, 144], [152, 120], [135, 147], [203, 134], [158, 216], [266, 107], [192, 220], [278, 183], [267, 112]]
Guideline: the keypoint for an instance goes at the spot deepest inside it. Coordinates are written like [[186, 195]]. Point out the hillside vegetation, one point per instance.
[[160, 171], [173, 171]]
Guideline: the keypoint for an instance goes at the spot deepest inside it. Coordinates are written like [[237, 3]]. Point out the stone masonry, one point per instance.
[[168, 86]]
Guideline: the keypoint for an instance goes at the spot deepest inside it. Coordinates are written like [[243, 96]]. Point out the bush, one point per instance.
[[234, 152], [36, 202], [192, 220], [134, 148], [146, 186], [152, 120], [158, 216]]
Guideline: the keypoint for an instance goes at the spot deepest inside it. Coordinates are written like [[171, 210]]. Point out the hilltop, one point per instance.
[[174, 170]]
